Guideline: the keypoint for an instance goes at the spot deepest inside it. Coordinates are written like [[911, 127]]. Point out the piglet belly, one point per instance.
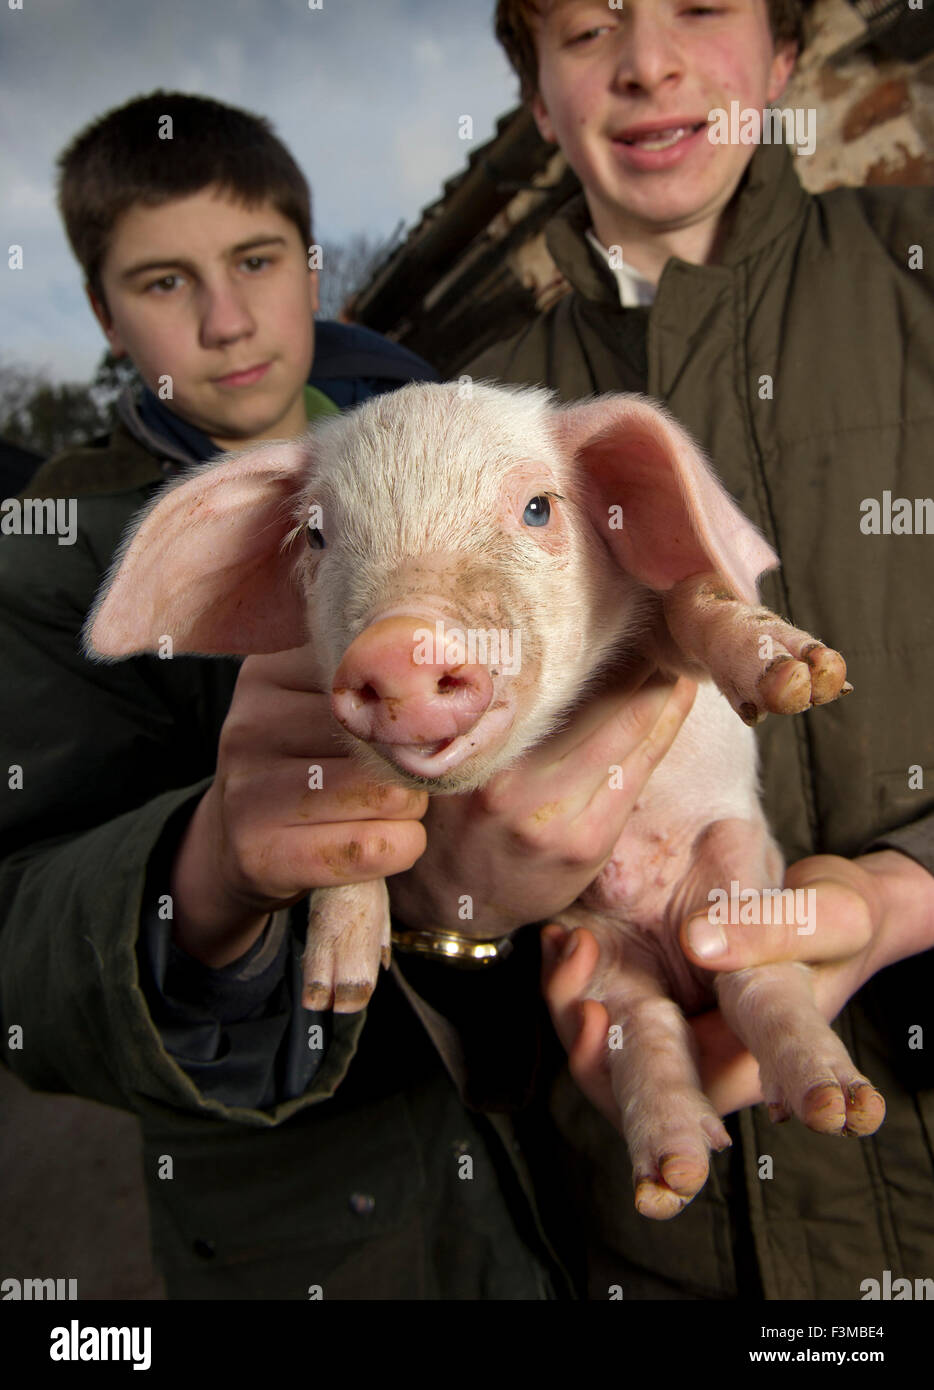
[[642, 874]]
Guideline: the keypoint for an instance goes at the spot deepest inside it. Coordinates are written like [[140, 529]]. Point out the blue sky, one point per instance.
[[366, 93]]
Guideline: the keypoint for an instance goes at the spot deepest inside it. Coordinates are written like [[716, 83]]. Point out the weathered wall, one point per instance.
[[875, 116]]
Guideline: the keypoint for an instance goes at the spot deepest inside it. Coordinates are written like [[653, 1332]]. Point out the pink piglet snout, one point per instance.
[[395, 686]]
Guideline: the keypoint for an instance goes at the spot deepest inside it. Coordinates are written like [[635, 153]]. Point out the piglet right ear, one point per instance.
[[204, 563], [677, 519]]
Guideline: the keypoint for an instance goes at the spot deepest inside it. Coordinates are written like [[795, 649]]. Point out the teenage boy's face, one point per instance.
[[219, 297], [626, 94]]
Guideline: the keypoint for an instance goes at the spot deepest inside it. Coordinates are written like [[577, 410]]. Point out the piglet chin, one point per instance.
[[450, 765]]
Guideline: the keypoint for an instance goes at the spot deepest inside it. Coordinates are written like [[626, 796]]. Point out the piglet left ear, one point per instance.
[[678, 520], [205, 563]]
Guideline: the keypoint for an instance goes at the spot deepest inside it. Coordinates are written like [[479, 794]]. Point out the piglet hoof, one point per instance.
[[348, 939], [788, 686], [680, 1177], [828, 673], [865, 1109], [843, 1107], [658, 1202], [345, 998], [785, 686], [675, 1168]]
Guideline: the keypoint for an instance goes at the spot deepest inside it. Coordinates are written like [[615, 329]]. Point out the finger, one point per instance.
[[602, 704], [325, 856], [820, 921], [553, 938], [568, 981], [588, 1060], [638, 729], [297, 669], [581, 1025], [624, 753], [729, 1074], [574, 761], [285, 721], [292, 792]]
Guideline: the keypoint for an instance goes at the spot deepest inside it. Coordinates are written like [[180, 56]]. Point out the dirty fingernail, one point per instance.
[[706, 939]]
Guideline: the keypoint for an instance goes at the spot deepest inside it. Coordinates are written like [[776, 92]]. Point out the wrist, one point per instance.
[[903, 906]]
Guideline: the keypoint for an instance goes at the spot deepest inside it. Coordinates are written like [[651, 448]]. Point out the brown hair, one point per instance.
[[515, 19], [120, 159]]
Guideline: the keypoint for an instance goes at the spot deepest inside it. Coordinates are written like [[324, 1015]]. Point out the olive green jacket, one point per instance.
[[803, 362]]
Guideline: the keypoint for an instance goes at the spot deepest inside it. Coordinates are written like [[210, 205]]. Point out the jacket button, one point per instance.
[[362, 1203], [205, 1248]]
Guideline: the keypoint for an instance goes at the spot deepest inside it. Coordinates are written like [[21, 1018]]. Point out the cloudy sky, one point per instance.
[[366, 93]]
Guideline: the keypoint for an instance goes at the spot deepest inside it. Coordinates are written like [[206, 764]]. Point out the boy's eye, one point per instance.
[[587, 34], [256, 262], [165, 284]]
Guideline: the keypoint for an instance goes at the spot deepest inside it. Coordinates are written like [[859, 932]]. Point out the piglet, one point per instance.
[[463, 561]]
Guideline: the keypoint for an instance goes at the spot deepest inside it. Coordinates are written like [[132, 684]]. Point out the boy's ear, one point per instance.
[[542, 119], [102, 314], [783, 65]]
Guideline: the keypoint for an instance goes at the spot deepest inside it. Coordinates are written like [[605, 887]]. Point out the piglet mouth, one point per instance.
[[436, 760]]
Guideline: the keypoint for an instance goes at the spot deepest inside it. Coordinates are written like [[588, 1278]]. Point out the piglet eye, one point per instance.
[[537, 512], [314, 537]]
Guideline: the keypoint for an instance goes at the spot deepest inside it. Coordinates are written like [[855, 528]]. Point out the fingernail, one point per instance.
[[705, 938], [550, 943], [570, 946]]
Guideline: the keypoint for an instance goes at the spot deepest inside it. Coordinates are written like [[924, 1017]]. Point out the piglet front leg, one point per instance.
[[348, 938], [804, 1067], [760, 662]]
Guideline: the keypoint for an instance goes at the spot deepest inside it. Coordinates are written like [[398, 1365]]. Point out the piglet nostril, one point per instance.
[[385, 692]]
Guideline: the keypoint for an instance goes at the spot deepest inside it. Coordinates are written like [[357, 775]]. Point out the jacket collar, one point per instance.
[[170, 455], [769, 200]]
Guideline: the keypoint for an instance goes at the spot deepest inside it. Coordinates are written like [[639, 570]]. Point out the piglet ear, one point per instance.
[[203, 564], [677, 518]]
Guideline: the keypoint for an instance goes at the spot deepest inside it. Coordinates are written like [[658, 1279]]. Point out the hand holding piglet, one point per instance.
[[262, 837], [526, 844]]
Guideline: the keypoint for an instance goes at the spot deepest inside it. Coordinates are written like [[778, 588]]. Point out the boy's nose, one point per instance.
[[225, 316], [649, 52]]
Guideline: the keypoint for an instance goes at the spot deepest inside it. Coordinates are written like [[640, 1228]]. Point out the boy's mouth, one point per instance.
[[245, 377], [659, 137]]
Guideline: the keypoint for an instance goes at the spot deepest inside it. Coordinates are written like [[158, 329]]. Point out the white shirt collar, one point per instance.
[[634, 288]]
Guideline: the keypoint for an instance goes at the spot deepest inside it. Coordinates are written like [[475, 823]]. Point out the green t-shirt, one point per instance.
[[317, 404]]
